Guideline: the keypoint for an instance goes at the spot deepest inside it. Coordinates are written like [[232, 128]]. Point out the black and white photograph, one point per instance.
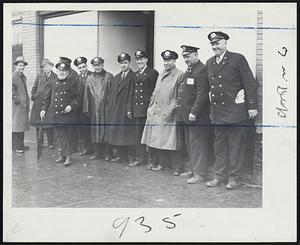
[[132, 119]]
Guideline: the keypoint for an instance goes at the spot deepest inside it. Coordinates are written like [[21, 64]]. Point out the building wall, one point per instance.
[[31, 51]]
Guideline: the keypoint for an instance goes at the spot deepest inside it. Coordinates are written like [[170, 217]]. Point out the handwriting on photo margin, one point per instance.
[[122, 222], [282, 90]]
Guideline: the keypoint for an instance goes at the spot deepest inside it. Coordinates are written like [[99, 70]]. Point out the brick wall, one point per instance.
[[259, 66], [31, 50]]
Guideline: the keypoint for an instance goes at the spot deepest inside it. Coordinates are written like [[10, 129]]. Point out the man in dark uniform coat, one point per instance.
[[139, 99], [233, 103], [37, 96], [73, 75], [120, 130], [85, 129], [192, 116], [60, 108]]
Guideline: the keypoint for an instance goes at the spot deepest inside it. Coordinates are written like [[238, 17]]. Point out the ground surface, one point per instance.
[[98, 183]]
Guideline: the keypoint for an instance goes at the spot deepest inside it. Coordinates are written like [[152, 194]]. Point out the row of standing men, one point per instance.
[[172, 113]]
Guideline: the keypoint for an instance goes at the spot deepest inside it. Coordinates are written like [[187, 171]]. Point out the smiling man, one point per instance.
[[162, 138], [60, 108], [139, 99], [232, 104], [95, 104], [192, 115]]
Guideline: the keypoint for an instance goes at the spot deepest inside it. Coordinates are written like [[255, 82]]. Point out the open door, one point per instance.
[[124, 31]]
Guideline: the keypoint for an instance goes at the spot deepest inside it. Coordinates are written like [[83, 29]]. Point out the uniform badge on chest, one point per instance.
[[190, 81]]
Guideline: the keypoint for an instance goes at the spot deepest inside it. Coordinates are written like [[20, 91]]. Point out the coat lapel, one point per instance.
[[124, 80], [218, 67]]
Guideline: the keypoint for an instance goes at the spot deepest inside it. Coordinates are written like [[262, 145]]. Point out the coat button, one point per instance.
[[56, 83], [142, 103], [141, 90], [212, 86], [212, 78], [141, 84], [223, 103], [55, 93], [55, 99], [135, 90], [56, 112], [61, 105], [61, 99], [221, 94], [220, 85], [213, 95], [62, 111], [55, 105], [141, 96], [64, 83], [136, 103], [215, 103], [220, 76]]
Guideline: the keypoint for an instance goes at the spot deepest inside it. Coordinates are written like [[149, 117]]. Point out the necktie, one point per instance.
[[123, 75], [218, 59]]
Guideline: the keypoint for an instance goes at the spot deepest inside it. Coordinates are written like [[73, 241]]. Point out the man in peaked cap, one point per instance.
[[192, 115], [121, 131], [72, 75], [85, 128], [232, 105], [95, 103], [37, 95], [60, 108], [20, 106], [162, 139], [139, 99]]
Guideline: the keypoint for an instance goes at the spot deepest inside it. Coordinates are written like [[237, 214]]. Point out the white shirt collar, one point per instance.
[[143, 69], [221, 56]]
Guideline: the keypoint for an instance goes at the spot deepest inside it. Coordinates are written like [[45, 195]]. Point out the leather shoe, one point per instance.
[[60, 160], [196, 179], [25, 148], [116, 159], [177, 172], [93, 157], [135, 164], [214, 183], [83, 153], [187, 174], [157, 168], [19, 151], [107, 158], [51, 146], [232, 184], [68, 161]]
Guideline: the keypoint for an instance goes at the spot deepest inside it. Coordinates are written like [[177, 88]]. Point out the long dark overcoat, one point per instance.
[[37, 96], [119, 131]]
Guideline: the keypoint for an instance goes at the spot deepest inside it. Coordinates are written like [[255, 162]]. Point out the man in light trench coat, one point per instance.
[[160, 132]]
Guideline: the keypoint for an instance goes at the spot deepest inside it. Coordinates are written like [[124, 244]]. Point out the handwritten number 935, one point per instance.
[[122, 222]]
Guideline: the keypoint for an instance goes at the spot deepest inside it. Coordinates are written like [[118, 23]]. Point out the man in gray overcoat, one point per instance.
[[20, 106]]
